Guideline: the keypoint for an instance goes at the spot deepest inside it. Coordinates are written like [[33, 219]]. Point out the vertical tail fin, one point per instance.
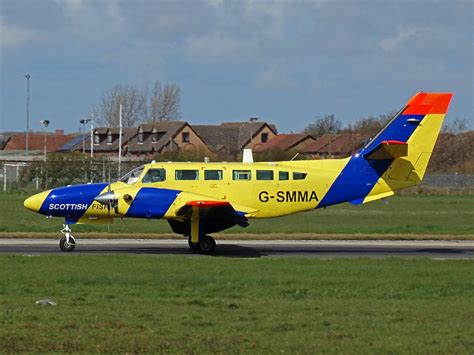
[[408, 139], [397, 157]]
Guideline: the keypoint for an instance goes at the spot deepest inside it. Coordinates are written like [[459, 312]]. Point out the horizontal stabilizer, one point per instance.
[[388, 150]]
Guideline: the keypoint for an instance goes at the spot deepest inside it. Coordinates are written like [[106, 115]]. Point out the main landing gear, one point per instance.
[[67, 243], [206, 245]]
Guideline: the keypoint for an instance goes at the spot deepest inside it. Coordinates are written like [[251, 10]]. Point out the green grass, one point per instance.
[[434, 215], [202, 304]]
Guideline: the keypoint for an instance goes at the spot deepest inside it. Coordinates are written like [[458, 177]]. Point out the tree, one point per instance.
[[459, 125], [133, 103], [165, 102], [327, 124], [370, 125]]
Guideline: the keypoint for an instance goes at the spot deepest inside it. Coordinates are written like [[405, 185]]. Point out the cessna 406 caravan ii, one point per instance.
[[198, 199]]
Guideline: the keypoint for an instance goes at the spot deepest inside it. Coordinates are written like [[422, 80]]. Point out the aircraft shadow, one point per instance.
[[239, 251]]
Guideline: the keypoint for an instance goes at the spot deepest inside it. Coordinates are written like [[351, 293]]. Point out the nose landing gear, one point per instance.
[[67, 243]]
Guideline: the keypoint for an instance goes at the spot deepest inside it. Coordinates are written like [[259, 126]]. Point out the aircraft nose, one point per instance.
[[35, 202]]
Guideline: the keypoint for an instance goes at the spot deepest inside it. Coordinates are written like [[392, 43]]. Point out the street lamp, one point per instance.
[[83, 122], [27, 76], [45, 123]]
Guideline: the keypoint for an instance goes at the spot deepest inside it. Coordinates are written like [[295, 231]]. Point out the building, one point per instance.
[[54, 141], [334, 145], [153, 138], [158, 137], [147, 139], [286, 142], [233, 137]]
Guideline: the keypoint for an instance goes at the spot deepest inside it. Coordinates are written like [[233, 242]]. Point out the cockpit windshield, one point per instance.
[[132, 176]]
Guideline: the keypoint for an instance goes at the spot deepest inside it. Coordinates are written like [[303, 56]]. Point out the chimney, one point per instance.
[[59, 132]]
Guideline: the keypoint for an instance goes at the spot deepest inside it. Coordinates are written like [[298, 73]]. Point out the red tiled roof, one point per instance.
[[36, 141], [340, 144], [284, 142]]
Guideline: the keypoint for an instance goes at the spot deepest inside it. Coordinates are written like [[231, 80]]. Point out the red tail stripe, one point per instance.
[[424, 103]]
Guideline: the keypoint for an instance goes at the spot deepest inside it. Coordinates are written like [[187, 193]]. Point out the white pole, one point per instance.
[[120, 144], [92, 130], [4, 178]]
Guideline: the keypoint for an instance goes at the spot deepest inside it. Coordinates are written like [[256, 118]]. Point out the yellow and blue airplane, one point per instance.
[[202, 198]]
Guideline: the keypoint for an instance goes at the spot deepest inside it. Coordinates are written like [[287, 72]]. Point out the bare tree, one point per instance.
[[328, 124], [133, 103], [370, 125], [459, 125], [165, 102]]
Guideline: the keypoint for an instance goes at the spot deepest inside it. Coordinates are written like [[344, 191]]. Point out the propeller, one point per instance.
[[111, 200], [108, 199]]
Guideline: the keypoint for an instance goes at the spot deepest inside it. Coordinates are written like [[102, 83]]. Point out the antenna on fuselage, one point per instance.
[[294, 156], [247, 156]]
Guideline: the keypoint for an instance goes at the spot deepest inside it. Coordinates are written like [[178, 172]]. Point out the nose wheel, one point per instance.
[[67, 243]]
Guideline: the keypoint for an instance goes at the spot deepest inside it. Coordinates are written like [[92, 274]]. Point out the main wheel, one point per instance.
[[207, 245], [192, 246], [65, 246]]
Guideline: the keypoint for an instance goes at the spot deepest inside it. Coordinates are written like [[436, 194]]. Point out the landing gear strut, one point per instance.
[[67, 243], [206, 245]]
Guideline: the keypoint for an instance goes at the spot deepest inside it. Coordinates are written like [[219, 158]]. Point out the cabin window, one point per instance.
[[299, 176], [96, 139], [187, 175], [154, 175], [241, 174], [283, 175], [213, 175], [185, 137], [264, 137], [264, 175], [154, 137], [109, 138]]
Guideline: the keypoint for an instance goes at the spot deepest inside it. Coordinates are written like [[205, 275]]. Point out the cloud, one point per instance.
[[393, 42], [319, 48], [14, 36], [276, 77]]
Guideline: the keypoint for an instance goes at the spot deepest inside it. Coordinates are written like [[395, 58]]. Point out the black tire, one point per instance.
[[207, 245], [67, 246], [192, 246]]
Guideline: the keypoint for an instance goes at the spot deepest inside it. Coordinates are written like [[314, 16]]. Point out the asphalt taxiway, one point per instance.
[[251, 249]]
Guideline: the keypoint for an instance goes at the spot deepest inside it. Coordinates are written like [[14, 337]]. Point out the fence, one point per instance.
[[451, 180], [35, 175]]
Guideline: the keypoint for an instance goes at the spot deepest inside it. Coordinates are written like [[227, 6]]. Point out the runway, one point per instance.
[[324, 249]]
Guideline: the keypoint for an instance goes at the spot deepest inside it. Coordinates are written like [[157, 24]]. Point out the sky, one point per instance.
[[286, 62]]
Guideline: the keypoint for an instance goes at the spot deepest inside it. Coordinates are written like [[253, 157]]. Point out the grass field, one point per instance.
[[433, 215], [201, 304]]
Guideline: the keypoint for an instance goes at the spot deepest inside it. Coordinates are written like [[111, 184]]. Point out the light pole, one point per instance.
[[45, 123], [27, 76], [120, 143], [92, 141], [83, 123]]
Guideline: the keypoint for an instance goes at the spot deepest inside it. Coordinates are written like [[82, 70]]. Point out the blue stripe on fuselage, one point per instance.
[[152, 202], [355, 181], [71, 201], [360, 175]]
